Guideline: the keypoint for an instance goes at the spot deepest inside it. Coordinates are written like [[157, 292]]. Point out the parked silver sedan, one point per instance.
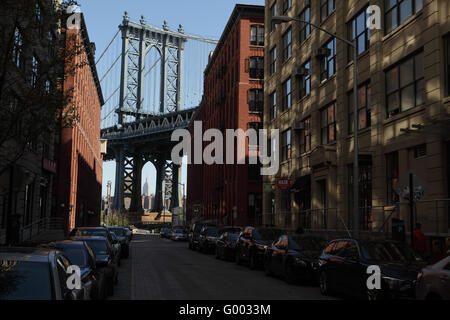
[[433, 282]]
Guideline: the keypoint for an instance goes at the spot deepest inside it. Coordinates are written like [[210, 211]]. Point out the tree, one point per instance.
[[35, 60]]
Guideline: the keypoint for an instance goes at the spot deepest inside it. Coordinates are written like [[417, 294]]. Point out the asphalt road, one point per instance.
[[164, 270]]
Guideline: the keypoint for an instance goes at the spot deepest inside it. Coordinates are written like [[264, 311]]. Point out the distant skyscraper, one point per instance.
[[146, 188]]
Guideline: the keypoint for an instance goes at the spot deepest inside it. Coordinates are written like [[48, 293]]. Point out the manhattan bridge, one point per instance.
[[152, 80]]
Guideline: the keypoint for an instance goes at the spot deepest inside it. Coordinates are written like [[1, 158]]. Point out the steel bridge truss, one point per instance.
[[137, 41]]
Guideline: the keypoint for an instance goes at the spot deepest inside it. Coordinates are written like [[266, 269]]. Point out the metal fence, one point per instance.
[[434, 215]]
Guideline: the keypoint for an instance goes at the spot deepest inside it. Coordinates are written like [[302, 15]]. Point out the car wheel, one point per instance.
[[267, 270], [289, 276], [374, 295], [323, 284], [433, 296], [238, 258], [253, 262], [217, 254], [111, 288]]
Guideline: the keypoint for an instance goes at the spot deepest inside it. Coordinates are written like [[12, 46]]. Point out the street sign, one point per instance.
[[284, 184], [402, 187]]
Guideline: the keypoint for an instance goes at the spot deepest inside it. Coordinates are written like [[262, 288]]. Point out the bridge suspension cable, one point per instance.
[[107, 47]]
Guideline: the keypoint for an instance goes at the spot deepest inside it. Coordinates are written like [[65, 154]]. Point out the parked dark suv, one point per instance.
[[207, 239], [194, 234], [344, 263], [252, 244]]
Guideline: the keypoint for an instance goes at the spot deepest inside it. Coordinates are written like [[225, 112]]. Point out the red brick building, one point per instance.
[[232, 99], [79, 151]]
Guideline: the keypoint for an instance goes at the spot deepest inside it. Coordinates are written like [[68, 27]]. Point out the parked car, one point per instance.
[[344, 263], [117, 248], [129, 232], [252, 244], [93, 232], [123, 239], [179, 234], [433, 282], [207, 239], [80, 254], [165, 233], [292, 260], [226, 245], [35, 274], [105, 258], [194, 234]]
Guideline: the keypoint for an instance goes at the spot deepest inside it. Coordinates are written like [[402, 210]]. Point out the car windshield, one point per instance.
[[212, 232], [117, 231], [21, 280], [91, 232], [76, 255], [232, 237], [388, 252], [266, 234], [99, 247], [179, 231]]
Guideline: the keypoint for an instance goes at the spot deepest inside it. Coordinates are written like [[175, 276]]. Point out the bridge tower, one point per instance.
[[137, 41]]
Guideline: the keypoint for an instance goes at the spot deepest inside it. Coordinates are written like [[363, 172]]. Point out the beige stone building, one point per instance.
[[404, 112]]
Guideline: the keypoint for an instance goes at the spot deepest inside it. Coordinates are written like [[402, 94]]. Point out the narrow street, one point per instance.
[[166, 270]]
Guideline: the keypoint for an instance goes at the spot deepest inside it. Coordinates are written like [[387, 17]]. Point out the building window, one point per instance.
[[305, 80], [34, 71], [273, 11], [256, 100], [254, 208], [305, 136], [364, 114], [326, 8], [257, 35], [420, 151], [405, 85], [287, 97], [305, 28], [328, 124], [286, 147], [398, 11], [447, 63], [302, 196], [256, 126], [287, 4], [392, 177], [273, 107], [328, 65], [357, 29], [287, 45], [17, 50], [43, 200], [364, 193], [273, 60], [257, 68], [38, 13], [28, 204]]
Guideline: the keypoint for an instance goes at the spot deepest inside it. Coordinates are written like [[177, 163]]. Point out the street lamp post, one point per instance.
[[353, 44]]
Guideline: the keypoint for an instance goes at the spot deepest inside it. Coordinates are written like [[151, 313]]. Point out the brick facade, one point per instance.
[[214, 190], [79, 156], [322, 173]]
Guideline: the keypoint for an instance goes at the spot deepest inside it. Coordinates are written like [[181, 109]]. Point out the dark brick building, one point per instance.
[[232, 99]]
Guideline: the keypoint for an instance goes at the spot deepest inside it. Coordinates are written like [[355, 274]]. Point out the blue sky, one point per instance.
[[206, 18]]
